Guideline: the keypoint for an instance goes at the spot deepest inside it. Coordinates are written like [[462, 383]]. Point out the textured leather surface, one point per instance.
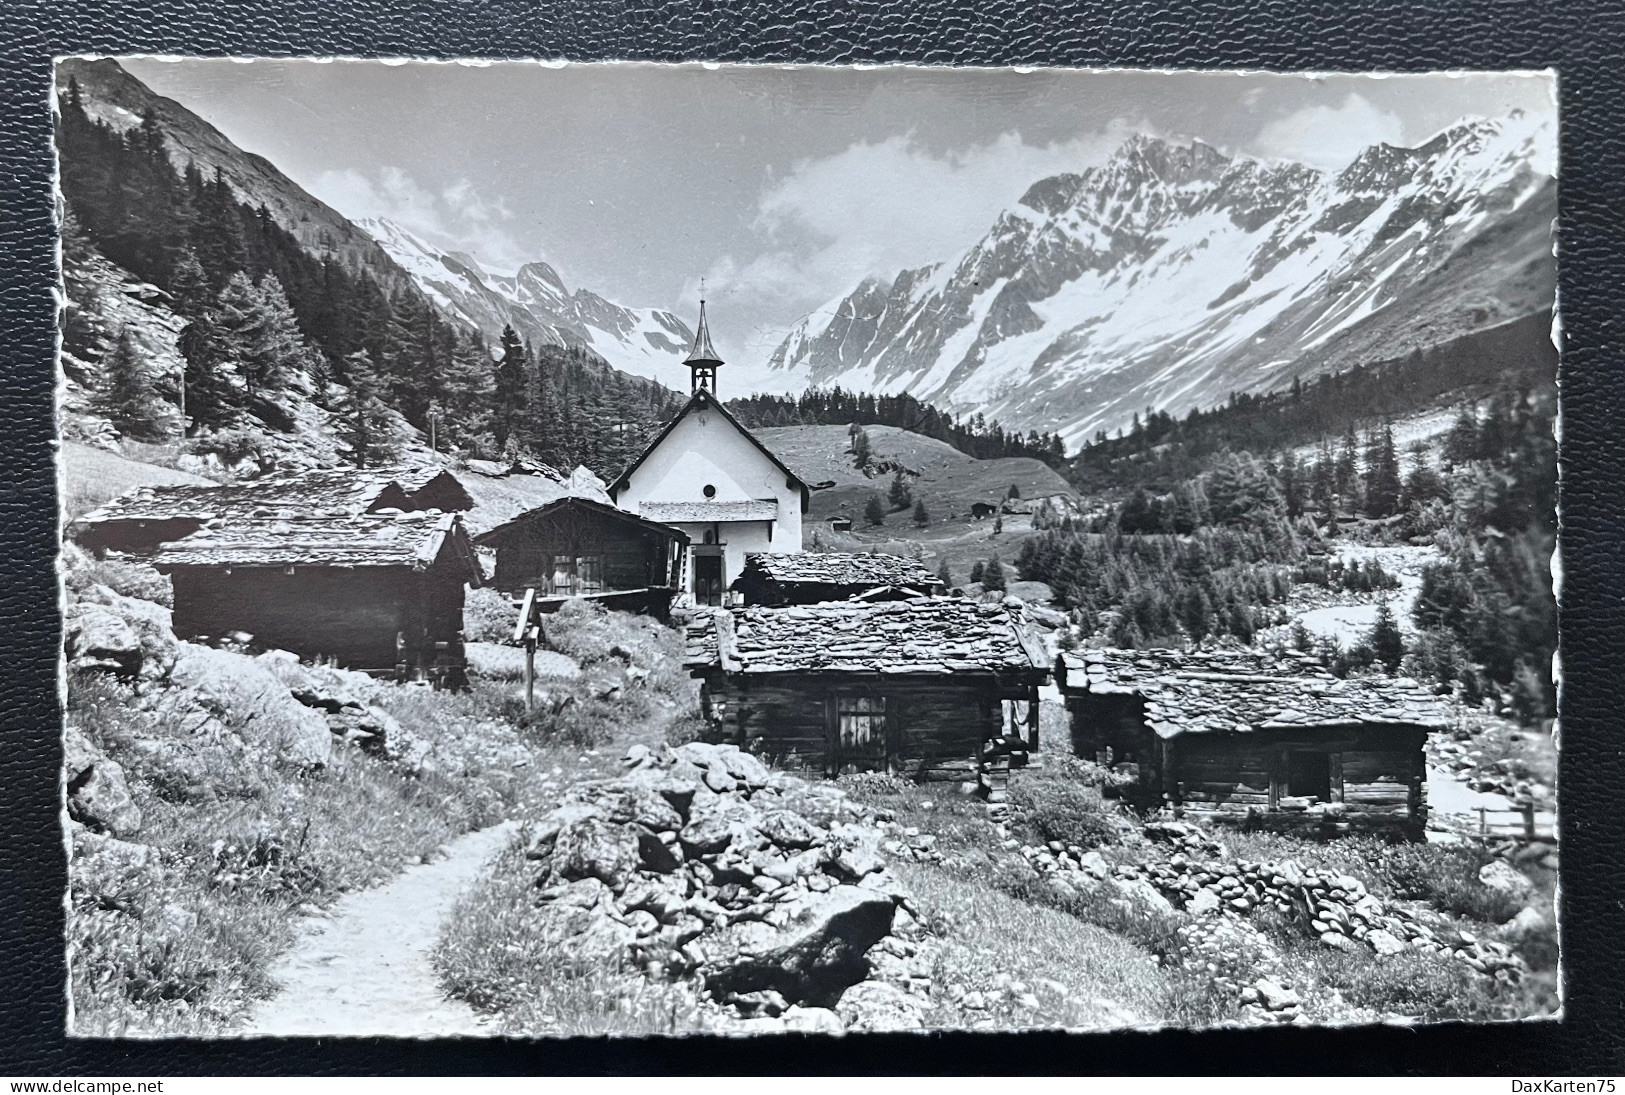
[[1583, 40]]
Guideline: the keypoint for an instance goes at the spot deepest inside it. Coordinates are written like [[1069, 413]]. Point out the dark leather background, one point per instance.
[[1582, 40]]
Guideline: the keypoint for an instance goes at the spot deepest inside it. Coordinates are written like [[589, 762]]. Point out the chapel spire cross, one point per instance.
[[702, 360]]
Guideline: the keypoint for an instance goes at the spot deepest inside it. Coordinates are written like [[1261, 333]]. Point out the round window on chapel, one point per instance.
[[710, 491]]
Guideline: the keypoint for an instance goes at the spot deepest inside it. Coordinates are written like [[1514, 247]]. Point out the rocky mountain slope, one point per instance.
[[535, 301], [114, 97], [1174, 275]]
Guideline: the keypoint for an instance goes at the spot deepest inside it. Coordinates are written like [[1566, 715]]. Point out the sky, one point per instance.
[[781, 187]]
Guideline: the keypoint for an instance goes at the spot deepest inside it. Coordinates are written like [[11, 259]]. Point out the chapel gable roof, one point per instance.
[[704, 400]]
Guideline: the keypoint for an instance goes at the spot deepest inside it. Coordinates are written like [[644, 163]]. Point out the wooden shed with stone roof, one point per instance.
[[574, 546], [808, 577], [931, 688], [379, 592], [137, 522], [1244, 735]]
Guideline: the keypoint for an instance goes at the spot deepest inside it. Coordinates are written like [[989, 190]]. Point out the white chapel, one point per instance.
[[709, 476]]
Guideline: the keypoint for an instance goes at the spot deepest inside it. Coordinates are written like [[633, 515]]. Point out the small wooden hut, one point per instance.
[[137, 522], [1239, 735], [575, 546], [377, 592], [808, 577], [931, 688]]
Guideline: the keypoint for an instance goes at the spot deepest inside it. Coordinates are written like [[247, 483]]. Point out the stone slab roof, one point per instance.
[[928, 635], [838, 568], [328, 490], [412, 540], [1245, 691], [753, 509]]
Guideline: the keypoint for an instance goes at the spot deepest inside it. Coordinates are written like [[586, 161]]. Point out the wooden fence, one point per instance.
[[1520, 821]]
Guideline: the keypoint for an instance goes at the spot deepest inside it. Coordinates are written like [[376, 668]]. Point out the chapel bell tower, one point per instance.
[[702, 360]]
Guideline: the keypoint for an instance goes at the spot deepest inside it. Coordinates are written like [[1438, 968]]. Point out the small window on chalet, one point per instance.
[[1309, 775], [862, 720], [573, 575]]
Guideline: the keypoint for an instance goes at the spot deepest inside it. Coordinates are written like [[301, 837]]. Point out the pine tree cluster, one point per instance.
[[265, 315], [975, 436]]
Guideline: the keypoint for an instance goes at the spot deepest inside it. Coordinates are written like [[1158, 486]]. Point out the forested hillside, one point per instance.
[[976, 436], [1219, 515], [269, 332]]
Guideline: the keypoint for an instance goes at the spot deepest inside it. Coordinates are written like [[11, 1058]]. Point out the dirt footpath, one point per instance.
[[366, 972]]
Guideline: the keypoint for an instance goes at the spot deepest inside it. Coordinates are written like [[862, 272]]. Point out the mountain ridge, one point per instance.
[[626, 338], [1173, 274]]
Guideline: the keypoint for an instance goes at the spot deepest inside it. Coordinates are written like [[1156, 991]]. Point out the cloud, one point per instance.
[[457, 218], [877, 208], [1328, 137]]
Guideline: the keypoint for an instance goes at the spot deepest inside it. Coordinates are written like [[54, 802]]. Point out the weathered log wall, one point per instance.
[[352, 615], [935, 725], [1372, 772], [631, 558]]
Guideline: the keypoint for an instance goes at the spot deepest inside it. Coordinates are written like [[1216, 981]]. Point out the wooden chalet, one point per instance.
[[1275, 742], [808, 577], [137, 522], [575, 547], [379, 592], [931, 688]]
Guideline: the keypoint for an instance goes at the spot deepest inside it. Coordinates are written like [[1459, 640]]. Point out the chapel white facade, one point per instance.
[[710, 477]]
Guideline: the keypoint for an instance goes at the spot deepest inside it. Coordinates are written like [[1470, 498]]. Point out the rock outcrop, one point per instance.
[[98, 794], [216, 691], [702, 862]]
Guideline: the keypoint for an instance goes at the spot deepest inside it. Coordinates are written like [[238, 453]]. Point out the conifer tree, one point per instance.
[[257, 331], [978, 570], [874, 511], [126, 395], [900, 494], [861, 453], [1385, 639], [993, 575], [945, 575], [922, 517], [189, 285], [510, 396], [364, 421]]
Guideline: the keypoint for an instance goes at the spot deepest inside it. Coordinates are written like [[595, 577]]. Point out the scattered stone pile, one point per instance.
[[1199, 877], [769, 892]]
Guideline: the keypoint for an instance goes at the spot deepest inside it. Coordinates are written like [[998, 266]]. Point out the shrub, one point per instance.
[[1446, 876], [131, 579], [234, 446], [1414, 983], [1057, 807], [488, 616], [1153, 928]]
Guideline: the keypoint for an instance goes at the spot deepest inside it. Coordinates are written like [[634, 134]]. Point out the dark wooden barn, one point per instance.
[[808, 577], [931, 688], [1244, 736], [137, 522], [575, 546], [377, 592]]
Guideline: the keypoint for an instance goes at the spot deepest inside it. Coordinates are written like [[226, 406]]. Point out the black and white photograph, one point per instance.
[[575, 549]]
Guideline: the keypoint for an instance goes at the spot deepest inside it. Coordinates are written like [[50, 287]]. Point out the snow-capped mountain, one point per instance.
[[1174, 275], [537, 303]]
